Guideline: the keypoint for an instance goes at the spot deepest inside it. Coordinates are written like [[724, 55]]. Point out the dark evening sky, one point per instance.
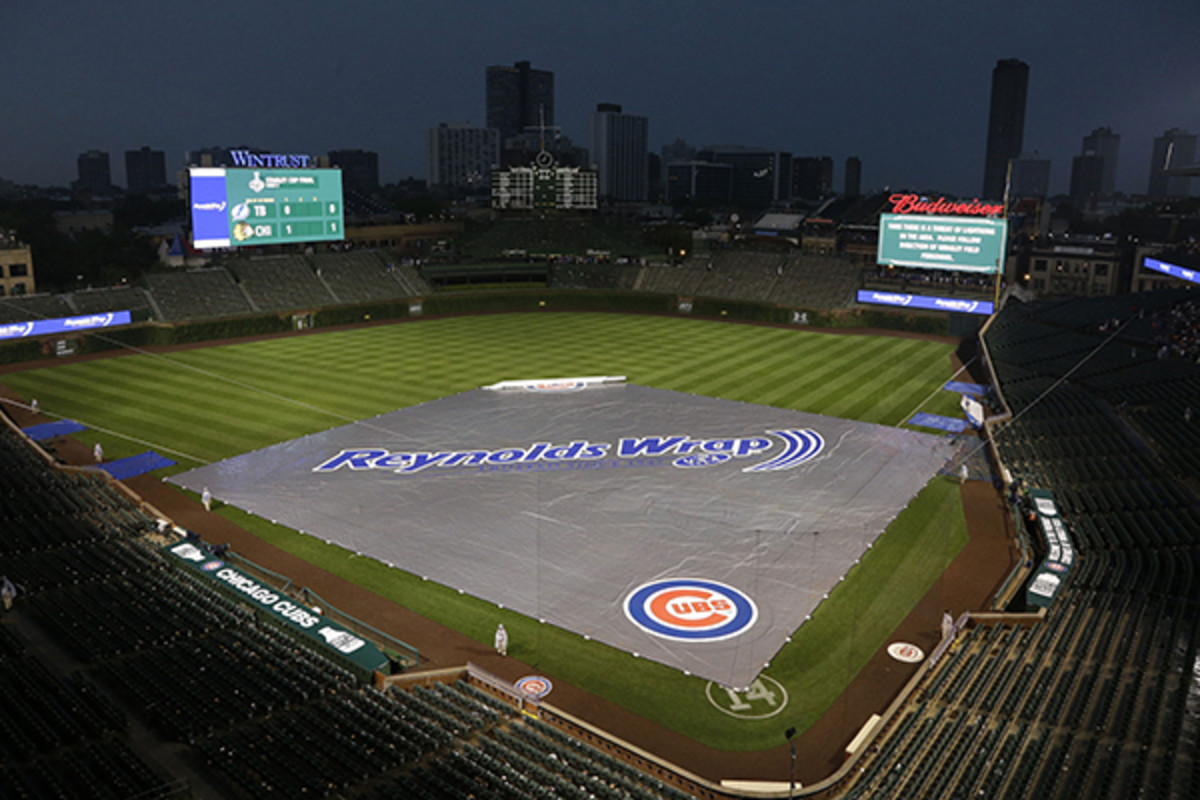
[[903, 86]]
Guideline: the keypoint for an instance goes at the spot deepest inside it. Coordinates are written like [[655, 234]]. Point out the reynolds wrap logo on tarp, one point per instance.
[[790, 448]]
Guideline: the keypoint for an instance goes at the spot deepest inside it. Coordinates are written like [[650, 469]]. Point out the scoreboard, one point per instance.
[[969, 244], [248, 207]]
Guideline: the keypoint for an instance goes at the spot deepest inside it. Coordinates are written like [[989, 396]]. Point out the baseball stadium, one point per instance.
[[340, 523]]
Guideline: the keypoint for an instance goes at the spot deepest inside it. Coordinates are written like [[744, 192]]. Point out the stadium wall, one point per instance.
[[159, 334]]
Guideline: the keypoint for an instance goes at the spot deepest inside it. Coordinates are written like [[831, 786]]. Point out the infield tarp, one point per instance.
[[562, 505]]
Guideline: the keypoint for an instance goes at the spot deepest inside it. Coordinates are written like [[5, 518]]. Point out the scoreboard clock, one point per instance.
[[251, 207]]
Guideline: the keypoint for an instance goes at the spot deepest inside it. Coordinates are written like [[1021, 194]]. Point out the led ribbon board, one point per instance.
[[925, 302], [247, 207], [42, 327], [1174, 270]]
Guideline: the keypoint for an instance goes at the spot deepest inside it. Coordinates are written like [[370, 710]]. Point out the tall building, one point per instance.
[[360, 169], [94, 172], [1175, 148], [760, 177], [1006, 124], [853, 178], [1030, 176], [1087, 178], [678, 150], [1104, 143], [461, 156], [702, 182], [619, 148], [145, 170], [519, 97], [812, 177]]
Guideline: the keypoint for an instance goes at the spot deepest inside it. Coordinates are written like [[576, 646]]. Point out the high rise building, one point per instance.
[[702, 182], [94, 172], [1030, 176], [812, 177], [853, 177], [145, 170], [1006, 124], [461, 156], [1175, 148], [518, 98], [1104, 143], [1087, 178], [678, 150], [360, 169], [760, 177], [619, 148]]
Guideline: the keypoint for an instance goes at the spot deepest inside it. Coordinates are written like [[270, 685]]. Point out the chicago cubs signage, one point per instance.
[[681, 451], [690, 610]]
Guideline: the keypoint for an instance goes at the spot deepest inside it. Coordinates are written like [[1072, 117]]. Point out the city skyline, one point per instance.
[[811, 78]]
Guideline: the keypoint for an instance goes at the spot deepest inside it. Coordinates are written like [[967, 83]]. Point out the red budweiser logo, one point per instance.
[[915, 204]]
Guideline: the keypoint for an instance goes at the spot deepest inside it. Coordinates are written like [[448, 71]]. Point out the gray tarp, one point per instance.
[[559, 505]]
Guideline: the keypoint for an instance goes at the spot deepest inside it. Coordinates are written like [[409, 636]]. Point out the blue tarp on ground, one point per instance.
[[973, 389], [133, 466], [49, 430], [939, 422]]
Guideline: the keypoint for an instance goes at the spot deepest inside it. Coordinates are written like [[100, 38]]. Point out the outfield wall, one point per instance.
[[158, 334]]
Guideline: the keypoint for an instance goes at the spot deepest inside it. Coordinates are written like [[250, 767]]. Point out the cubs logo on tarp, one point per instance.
[[690, 610]]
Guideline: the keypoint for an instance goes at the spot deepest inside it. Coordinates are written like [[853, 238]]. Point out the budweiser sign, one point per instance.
[[915, 204]]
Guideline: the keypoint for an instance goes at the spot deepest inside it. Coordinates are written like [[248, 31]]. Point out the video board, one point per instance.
[[251, 207], [969, 244]]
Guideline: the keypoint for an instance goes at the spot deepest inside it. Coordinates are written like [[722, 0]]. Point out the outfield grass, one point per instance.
[[203, 405]]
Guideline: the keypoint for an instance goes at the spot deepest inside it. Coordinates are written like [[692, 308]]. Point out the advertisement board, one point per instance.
[[961, 305], [42, 327], [969, 244]]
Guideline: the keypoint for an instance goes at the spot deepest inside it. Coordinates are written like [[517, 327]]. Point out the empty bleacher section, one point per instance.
[[543, 239], [118, 298], [1098, 699], [788, 279], [197, 294], [25, 308], [362, 276], [281, 283], [256, 712]]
